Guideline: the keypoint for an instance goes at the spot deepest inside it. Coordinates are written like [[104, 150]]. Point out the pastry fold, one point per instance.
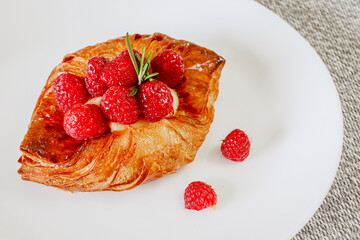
[[123, 159]]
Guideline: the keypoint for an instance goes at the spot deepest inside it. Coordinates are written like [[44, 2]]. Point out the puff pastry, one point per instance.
[[136, 154]]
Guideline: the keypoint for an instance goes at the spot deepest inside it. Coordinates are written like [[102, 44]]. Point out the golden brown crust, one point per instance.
[[125, 159]]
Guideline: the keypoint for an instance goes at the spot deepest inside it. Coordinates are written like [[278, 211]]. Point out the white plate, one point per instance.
[[274, 86]]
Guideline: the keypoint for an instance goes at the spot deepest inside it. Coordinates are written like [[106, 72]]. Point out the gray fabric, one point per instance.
[[333, 29]]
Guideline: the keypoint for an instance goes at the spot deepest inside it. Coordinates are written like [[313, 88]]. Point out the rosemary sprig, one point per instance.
[[131, 53], [142, 71]]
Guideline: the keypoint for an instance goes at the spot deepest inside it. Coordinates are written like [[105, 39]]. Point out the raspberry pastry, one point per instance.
[[121, 113]]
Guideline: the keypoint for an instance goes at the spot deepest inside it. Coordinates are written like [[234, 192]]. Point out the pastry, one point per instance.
[[126, 156]]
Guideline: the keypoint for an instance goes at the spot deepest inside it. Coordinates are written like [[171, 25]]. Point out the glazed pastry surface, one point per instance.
[[137, 154]]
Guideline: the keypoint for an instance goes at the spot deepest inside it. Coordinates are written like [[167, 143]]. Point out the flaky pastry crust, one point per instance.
[[123, 159]]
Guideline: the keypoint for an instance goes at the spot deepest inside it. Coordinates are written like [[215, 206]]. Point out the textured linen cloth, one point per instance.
[[333, 29]]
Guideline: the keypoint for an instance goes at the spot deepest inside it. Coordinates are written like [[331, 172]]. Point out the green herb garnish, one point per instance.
[[142, 71]]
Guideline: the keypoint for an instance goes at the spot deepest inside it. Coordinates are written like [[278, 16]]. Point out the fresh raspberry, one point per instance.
[[84, 122], [69, 90], [199, 195], [170, 66], [94, 85], [236, 146], [118, 106], [120, 71], [156, 100]]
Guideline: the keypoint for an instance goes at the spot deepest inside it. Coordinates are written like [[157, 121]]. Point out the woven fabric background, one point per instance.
[[333, 29]]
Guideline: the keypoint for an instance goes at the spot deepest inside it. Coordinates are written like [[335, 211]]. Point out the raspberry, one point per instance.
[[94, 85], [236, 146], [69, 90], [84, 122], [120, 71], [170, 66], [199, 195], [156, 100], [118, 106]]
